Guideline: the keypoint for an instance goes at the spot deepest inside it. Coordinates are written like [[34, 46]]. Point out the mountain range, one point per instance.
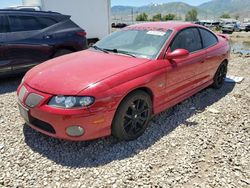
[[210, 10]]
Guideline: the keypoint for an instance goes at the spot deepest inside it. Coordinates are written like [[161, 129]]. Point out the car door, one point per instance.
[[26, 45], [212, 54], [5, 66], [184, 75]]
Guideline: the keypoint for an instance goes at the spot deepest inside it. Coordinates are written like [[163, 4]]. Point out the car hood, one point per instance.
[[70, 74]]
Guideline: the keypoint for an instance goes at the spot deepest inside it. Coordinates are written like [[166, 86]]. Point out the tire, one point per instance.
[[62, 52], [220, 75], [132, 116]]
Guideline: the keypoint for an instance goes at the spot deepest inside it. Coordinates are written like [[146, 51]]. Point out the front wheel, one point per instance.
[[220, 76], [132, 116]]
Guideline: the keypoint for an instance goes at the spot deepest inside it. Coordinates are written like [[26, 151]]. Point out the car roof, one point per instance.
[[11, 11], [55, 15], [173, 25]]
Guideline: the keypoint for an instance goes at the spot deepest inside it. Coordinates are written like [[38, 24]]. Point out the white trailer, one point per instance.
[[94, 16]]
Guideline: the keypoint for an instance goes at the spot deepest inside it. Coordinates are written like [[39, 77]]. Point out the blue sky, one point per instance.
[[6, 3]]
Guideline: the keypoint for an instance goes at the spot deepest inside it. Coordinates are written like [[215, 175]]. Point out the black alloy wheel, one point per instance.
[[136, 116], [132, 116], [220, 76]]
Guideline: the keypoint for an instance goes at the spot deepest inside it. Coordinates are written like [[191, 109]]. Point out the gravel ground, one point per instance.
[[202, 142]]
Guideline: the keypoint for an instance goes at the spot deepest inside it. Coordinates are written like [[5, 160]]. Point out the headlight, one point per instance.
[[71, 101]]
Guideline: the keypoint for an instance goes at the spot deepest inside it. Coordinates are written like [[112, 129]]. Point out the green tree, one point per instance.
[[142, 17], [178, 17], [237, 16], [192, 15], [157, 17], [169, 17], [225, 15]]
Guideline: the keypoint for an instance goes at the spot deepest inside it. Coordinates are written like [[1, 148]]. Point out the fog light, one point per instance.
[[75, 131]]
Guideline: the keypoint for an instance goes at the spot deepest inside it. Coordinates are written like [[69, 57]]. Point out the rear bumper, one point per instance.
[[82, 43]]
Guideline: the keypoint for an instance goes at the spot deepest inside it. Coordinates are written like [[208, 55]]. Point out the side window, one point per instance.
[[46, 22], [188, 39], [23, 23], [208, 38], [3, 25]]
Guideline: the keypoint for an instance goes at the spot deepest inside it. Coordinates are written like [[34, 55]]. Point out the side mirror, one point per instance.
[[177, 54]]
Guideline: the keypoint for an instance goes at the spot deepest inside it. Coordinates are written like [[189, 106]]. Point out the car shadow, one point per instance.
[[10, 84], [103, 151]]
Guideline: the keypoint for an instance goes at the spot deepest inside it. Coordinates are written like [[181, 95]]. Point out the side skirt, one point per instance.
[[181, 98]]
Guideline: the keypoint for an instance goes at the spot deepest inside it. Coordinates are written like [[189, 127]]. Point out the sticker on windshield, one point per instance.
[[158, 33]]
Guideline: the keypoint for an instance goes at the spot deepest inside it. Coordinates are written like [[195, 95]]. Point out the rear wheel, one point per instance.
[[220, 76], [62, 52], [132, 116]]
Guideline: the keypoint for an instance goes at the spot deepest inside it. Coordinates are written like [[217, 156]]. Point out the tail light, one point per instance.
[[81, 33]]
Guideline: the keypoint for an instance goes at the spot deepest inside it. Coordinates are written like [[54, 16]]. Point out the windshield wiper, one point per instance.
[[127, 53], [100, 49], [113, 50], [120, 52]]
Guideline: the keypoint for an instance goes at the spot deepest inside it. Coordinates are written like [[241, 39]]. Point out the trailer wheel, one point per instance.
[[91, 42]]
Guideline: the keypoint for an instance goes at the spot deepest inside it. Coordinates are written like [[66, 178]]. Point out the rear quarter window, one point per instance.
[[208, 38], [46, 22]]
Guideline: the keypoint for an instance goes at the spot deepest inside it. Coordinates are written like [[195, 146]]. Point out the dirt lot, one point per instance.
[[202, 142], [240, 36]]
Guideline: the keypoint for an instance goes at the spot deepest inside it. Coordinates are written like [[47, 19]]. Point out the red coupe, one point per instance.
[[116, 86]]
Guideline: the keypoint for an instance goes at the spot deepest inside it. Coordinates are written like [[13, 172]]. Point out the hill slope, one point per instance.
[[178, 8], [217, 7], [211, 9]]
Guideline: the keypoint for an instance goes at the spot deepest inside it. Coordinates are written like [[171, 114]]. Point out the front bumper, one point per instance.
[[54, 121]]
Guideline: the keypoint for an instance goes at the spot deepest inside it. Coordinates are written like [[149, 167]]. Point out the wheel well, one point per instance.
[[145, 89], [225, 61]]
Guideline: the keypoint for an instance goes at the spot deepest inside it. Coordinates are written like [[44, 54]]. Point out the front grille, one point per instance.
[[23, 91], [42, 125], [33, 100]]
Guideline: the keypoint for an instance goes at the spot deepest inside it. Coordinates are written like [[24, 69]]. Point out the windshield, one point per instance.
[[138, 43]]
